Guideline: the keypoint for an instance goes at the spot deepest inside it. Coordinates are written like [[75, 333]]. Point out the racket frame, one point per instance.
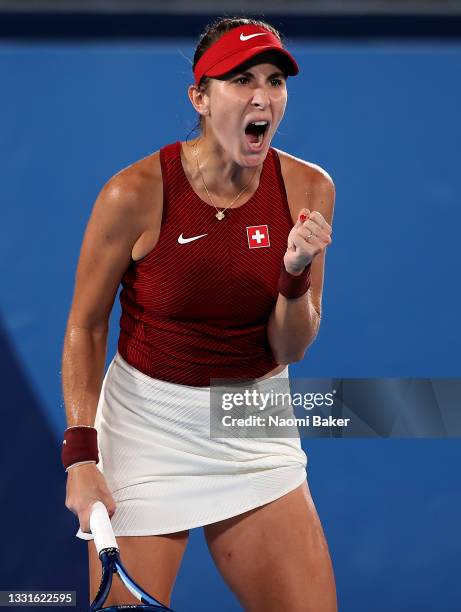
[[109, 555]]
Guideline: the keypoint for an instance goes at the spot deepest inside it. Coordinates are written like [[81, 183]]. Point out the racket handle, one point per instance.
[[101, 527]]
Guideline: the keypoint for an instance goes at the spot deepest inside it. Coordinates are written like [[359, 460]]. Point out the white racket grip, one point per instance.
[[101, 527]]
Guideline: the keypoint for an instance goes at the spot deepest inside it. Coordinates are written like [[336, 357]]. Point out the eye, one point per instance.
[[240, 79], [278, 82]]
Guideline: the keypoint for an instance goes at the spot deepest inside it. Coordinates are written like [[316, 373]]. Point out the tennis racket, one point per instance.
[[109, 554]]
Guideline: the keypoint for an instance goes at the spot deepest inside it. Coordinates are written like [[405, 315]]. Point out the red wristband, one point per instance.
[[294, 286], [80, 444]]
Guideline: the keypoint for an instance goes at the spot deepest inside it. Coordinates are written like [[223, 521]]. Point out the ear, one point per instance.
[[200, 99]]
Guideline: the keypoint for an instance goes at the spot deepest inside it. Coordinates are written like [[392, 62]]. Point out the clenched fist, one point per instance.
[[310, 236]]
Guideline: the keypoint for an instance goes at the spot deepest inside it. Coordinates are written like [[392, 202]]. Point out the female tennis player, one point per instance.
[[219, 244]]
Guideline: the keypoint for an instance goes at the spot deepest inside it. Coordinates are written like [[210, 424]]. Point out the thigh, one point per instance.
[[275, 557], [152, 561]]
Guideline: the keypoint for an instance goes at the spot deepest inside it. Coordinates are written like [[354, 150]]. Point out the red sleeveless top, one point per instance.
[[196, 307]]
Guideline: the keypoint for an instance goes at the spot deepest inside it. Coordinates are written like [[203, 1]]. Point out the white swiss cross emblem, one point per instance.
[[258, 236]]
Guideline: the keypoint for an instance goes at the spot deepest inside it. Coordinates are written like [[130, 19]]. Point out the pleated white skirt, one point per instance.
[[164, 471]]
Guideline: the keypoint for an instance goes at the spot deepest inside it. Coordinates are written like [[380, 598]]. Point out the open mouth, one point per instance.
[[255, 133]]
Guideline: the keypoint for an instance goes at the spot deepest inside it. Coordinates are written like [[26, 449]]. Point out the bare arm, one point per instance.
[[115, 224], [117, 221], [294, 323]]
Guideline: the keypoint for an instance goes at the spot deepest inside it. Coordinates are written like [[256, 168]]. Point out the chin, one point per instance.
[[250, 159]]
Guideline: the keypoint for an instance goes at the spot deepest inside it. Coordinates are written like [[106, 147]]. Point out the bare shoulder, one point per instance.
[[307, 185], [138, 182], [308, 169], [137, 191], [125, 209]]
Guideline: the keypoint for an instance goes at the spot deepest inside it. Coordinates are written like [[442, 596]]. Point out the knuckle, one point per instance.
[[70, 503], [83, 508]]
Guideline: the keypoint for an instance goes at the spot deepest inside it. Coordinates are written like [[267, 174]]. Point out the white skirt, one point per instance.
[[162, 468]]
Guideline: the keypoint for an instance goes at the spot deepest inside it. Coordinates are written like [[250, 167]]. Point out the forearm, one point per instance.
[[83, 363], [292, 327]]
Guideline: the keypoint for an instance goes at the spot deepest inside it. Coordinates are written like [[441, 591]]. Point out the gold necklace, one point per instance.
[[219, 213]]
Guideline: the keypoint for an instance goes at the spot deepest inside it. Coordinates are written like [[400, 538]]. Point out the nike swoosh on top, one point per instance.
[[243, 38], [183, 240]]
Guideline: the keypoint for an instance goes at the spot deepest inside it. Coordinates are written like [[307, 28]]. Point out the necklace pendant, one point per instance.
[[219, 215]]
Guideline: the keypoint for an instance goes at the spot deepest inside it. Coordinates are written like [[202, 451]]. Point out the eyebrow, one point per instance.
[[271, 76]]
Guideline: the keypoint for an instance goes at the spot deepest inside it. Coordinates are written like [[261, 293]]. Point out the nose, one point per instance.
[[260, 97]]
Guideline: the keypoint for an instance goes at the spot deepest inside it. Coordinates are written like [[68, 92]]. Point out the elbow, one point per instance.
[[290, 358], [297, 357]]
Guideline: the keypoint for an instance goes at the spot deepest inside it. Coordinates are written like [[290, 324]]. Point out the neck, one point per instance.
[[223, 176]]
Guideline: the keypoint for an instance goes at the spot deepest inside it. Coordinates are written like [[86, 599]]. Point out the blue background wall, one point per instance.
[[383, 119]]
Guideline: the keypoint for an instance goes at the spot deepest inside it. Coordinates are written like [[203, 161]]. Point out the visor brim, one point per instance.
[[233, 61]]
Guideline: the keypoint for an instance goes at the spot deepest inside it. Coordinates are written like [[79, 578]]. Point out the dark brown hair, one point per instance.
[[211, 34]]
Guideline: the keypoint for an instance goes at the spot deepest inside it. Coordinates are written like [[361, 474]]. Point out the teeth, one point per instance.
[[260, 122]]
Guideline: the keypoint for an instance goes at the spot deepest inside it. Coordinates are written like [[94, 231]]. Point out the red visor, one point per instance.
[[236, 47]]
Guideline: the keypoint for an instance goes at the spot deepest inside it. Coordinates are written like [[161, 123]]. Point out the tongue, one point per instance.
[[254, 138]]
